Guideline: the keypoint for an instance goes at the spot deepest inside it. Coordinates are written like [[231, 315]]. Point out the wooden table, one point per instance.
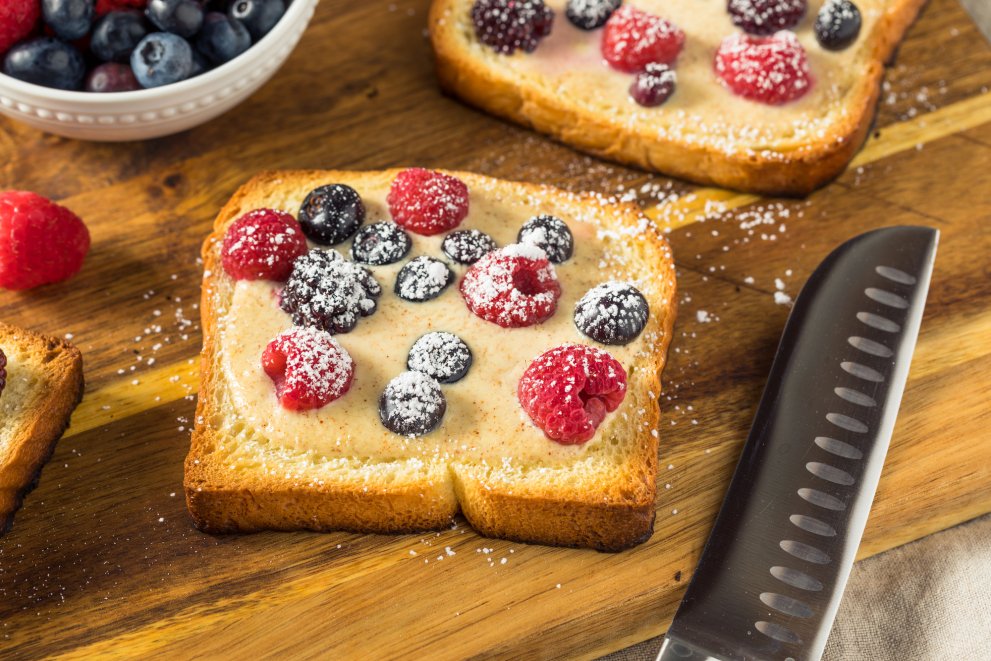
[[103, 558]]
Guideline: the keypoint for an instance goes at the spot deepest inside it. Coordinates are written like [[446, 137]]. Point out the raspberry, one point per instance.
[[427, 202], [309, 367], [3, 371], [512, 287], [772, 70], [765, 17], [262, 245], [40, 241], [568, 391], [633, 39], [17, 20], [107, 6], [506, 25]]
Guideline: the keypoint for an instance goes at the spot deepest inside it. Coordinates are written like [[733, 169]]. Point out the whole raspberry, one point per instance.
[[512, 287], [3, 371], [772, 70], [40, 241], [632, 39], [764, 17], [17, 20], [568, 391], [107, 6], [427, 202], [328, 292], [262, 245], [309, 367], [506, 25]]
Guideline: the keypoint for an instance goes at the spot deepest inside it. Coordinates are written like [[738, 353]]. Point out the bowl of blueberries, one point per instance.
[[116, 70]]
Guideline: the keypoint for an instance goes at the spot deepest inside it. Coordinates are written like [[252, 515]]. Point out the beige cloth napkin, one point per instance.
[[930, 599]]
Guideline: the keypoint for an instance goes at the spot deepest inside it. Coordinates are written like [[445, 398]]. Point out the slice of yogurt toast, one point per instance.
[[265, 456], [704, 132]]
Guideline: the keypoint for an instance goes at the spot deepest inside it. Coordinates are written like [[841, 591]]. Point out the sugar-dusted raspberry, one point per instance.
[[512, 287], [507, 25], [427, 202], [17, 20], [107, 6], [772, 70], [40, 241], [632, 39], [568, 391], [764, 17], [262, 245], [3, 371], [328, 292], [309, 368]]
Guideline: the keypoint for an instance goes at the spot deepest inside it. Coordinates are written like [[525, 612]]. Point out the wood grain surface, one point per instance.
[[103, 559]]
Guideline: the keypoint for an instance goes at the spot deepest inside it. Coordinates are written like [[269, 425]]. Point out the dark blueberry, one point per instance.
[[331, 214], [412, 404], [116, 35], [837, 24], [181, 17], [612, 313], [112, 77], [422, 278], [46, 61], [222, 38], [508, 25], [441, 356], [328, 292], [68, 19], [652, 86], [200, 65], [162, 59], [765, 17], [259, 16], [380, 243], [551, 234], [467, 246], [590, 14]]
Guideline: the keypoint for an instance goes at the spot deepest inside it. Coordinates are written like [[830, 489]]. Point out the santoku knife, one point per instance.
[[771, 575]]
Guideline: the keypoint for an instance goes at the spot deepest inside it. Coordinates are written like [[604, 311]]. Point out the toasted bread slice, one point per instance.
[[703, 133], [44, 384], [253, 465]]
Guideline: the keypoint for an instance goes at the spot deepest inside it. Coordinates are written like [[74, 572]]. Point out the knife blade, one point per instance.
[[773, 570], [980, 11]]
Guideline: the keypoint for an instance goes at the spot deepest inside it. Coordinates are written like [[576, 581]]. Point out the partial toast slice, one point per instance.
[[703, 133], [254, 466], [44, 384]]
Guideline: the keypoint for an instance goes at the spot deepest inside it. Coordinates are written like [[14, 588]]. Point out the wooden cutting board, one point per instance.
[[103, 559]]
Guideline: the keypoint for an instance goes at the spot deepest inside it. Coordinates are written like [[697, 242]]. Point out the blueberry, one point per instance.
[[422, 279], [551, 234], [222, 38], [412, 404], [837, 24], [46, 61], [116, 35], [112, 77], [181, 17], [612, 313], [200, 65], [326, 291], [162, 58], [441, 356], [652, 86], [467, 246], [765, 17], [69, 19], [590, 14], [259, 16], [379, 244], [331, 214]]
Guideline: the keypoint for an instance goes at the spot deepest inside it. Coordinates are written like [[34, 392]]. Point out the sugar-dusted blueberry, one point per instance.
[[326, 291], [46, 61], [162, 58], [837, 24], [590, 14], [111, 77], [654, 85], [331, 214], [3, 371], [550, 234], [423, 278], [181, 17], [116, 35], [380, 243], [508, 25], [412, 404], [441, 356], [68, 19], [259, 16], [222, 38], [467, 246], [765, 17], [612, 313]]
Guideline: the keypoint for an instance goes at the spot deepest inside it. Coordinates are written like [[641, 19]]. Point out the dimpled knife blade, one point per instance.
[[773, 570]]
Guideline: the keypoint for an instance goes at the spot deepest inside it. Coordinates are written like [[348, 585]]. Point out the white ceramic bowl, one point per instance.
[[152, 113]]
